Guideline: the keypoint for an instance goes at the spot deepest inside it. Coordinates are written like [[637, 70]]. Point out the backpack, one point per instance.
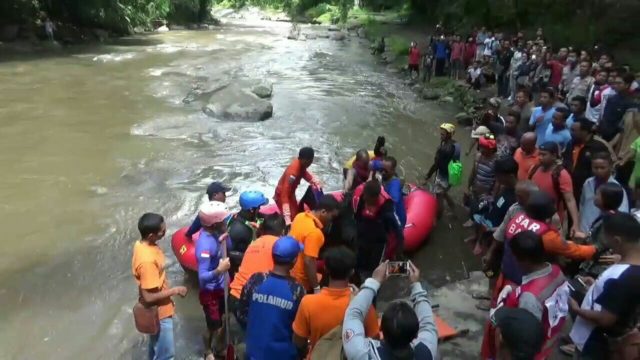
[[329, 346], [455, 168]]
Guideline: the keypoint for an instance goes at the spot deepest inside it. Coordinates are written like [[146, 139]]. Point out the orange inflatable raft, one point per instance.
[[421, 208]]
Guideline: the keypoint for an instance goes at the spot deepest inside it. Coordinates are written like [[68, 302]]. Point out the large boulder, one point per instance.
[[338, 36], [263, 90], [162, 28], [234, 103]]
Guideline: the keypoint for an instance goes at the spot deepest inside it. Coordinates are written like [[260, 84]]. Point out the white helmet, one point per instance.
[[213, 212]]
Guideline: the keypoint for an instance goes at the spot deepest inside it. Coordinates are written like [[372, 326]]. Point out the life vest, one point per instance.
[[520, 222], [362, 210], [545, 290]]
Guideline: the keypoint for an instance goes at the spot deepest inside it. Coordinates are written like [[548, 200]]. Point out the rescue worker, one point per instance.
[[285, 195], [243, 225], [359, 172], [216, 191], [375, 217], [540, 293]]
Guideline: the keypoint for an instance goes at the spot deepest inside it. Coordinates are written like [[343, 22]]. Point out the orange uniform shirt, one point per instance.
[[257, 258], [307, 229], [147, 265], [288, 183], [320, 313], [555, 245], [525, 162]]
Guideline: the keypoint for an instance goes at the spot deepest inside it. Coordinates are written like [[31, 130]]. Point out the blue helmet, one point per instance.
[[252, 199]]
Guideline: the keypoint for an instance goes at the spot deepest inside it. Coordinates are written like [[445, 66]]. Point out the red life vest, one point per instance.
[[520, 222], [370, 214], [542, 288]]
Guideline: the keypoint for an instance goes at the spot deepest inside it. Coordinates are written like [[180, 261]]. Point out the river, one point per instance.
[[91, 138]]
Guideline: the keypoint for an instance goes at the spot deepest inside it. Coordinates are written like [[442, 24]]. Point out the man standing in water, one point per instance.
[[212, 266], [216, 191], [148, 269], [445, 153], [285, 195]]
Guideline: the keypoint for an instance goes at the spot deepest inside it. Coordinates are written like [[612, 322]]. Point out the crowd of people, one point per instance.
[[299, 283], [549, 195], [550, 199]]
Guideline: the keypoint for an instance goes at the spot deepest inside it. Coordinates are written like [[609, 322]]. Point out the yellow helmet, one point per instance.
[[448, 127]]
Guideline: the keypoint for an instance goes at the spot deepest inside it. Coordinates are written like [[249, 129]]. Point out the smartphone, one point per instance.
[[400, 268]]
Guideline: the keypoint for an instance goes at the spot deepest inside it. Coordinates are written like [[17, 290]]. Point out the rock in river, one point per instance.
[[338, 36], [431, 94], [162, 28], [237, 104], [464, 119], [263, 90]]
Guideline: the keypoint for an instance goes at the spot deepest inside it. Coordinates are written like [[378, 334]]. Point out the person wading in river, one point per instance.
[[446, 152], [285, 195], [212, 267], [216, 191], [148, 269]]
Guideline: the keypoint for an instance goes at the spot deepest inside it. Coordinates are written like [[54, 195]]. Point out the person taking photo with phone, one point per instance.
[[409, 330]]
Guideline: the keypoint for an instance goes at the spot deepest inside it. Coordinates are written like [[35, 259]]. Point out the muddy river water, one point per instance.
[[92, 138]]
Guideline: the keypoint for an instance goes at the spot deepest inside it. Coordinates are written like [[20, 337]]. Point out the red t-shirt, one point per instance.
[[545, 183], [556, 73], [414, 56]]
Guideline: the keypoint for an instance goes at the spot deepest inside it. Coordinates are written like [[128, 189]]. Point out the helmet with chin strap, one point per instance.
[[252, 200]]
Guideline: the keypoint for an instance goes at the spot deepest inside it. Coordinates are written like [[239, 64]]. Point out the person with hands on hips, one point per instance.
[[409, 329]]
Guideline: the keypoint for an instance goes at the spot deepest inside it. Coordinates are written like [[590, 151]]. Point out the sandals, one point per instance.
[[480, 296]]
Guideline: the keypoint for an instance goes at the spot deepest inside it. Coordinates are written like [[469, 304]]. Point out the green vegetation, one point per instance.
[[119, 16]]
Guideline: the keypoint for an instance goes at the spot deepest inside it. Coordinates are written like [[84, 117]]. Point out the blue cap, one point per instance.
[[217, 187], [287, 249]]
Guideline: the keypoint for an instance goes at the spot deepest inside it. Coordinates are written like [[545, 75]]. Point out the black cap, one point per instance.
[[216, 188], [551, 147], [521, 331], [306, 153]]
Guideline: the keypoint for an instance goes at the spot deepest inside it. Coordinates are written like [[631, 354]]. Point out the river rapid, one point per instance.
[[91, 138]]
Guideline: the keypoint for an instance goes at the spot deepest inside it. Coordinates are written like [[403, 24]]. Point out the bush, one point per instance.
[[398, 45]]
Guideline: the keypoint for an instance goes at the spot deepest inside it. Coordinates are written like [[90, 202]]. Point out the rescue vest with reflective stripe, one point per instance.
[[542, 288], [520, 222]]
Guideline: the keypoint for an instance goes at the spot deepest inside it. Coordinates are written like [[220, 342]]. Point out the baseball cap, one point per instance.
[[217, 187], [521, 331], [479, 132], [287, 249], [494, 102], [551, 147]]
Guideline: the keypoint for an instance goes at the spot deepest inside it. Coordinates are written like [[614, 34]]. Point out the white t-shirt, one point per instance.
[[474, 73], [609, 92], [582, 328], [488, 46]]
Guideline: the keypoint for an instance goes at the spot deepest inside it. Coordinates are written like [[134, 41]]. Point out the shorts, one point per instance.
[[414, 67], [212, 302], [481, 220], [440, 185]]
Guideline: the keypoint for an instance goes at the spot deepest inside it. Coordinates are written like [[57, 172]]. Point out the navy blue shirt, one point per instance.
[[195, 227], [267, 308]]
